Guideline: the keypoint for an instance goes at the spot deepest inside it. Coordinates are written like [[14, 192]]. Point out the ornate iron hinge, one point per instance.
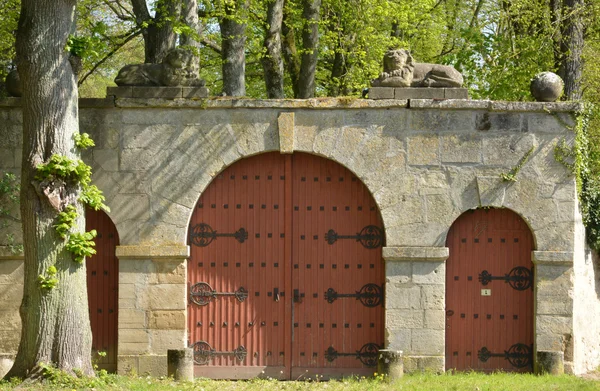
[[370, 237], [370, 295], [203, 353], [519, 278], [367, 354], [202, 293], [202, 235], [518, 355]]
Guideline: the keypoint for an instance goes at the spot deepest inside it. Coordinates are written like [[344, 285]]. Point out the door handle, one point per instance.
[[276, 294]]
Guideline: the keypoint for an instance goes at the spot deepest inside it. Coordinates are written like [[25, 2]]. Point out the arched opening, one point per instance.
[[285, 274], [489, 292], [102, 285]]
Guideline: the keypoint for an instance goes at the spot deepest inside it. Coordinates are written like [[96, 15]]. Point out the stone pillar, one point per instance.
[[11, 294], [180, 364], [414, 305], [390, 363], [553, 305], [549, 362], [152, 306]]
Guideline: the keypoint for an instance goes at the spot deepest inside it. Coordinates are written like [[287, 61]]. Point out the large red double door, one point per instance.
[[285, 277], [489, 293]]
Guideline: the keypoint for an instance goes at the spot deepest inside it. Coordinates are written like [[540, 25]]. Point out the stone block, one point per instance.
[[133, 336], [9, 341], [548, 123], [10, 320], [433, 297], [399, 339], [157, 92], [120, 92], [418, 93], [506, 150], [128, 365], [456, 93], [398, 272], [11, 295], [435, 319], [170, 271], [6, 362], [400, 296], [164, 297], [403, 319], [130, 318], [549, 362], [430, 342], [285, 123], [194, 92], [7, 158], [429, 273], [434, 364], [381, 93], [130, 348], [415, 253], [560, 308], [153, 365], [548, 324], [429, 120], [440, 209], [423, 150], [130, 207], [11, 272], [461, 148], [498, 122], [180, 364], [163, 340], [168, 320]]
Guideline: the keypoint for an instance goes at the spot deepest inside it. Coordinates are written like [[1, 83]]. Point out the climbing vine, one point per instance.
[[511, 176]]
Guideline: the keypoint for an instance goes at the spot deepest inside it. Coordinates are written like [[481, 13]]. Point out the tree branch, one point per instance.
[[211, 44], [140, 9]]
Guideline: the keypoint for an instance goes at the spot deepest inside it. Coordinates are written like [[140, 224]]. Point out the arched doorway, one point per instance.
[[102, 284], [285, 274], [489, 292]]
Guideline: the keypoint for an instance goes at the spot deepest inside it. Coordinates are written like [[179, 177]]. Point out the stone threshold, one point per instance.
[[320, 104]]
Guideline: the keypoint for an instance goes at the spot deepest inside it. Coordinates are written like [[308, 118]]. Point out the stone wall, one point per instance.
[[425, 163]]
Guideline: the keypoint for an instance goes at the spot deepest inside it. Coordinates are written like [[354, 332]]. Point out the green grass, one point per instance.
[[462, 382]]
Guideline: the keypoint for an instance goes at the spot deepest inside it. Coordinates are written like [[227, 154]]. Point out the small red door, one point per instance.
[[489, 292], [102, 284], [285, 274]]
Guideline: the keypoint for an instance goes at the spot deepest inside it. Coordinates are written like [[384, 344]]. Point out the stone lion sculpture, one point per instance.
[[178, 68], [401, 70]]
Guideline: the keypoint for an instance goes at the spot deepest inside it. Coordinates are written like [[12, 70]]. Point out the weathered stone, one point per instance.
[[430, 364], [506, 151], [9, 340], [11, 295], [153, 365], [398, 272], [167, 320], [130, 318], [6, 362], [108, 159], [550, 324], [130, 207], [163, 340], [429, 272], [440, 209], [11, 272], [399, 296], [134, 336], [286, 132], [381, 93], [415, 253], [164, 297], [423, 150], [549, 362], [492, 191], [461, 149], [194, 92], [404, 319], [419, 93], [399, 339], [425, 341], [435, 319], [180, 364], [456, 93], [390, 363], [433, 297], [495, 122], [120, 92], [156, 92], [546, 87], [128, 365], [131, 348]]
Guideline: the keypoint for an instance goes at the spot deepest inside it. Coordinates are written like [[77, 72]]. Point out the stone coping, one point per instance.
[[320, 103], [7, 254], [416, 254], [153, 252], [552, 258]]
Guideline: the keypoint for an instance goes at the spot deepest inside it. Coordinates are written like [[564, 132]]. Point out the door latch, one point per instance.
[[276, 294]]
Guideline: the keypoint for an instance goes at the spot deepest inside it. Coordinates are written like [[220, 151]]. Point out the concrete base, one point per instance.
[[390, 363], [180, 364], [550, 362]]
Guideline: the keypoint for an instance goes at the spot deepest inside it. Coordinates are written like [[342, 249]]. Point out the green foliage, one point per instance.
[[83, 140], [65, 168], [83, 46], [9, 202], [511, 176], [81, 245], [66, 220], [49, 281], [8, 28], [93, 197], [53, 378]]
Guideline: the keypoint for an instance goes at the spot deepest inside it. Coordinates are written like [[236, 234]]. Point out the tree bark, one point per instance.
[[190, 18], [55, 323], [290, 53], [272, 61], [571, 48], [233, 56], [310, 42], [158, 34]]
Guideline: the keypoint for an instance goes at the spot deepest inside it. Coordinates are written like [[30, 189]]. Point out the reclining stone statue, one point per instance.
[[401, 70], [178, 68]]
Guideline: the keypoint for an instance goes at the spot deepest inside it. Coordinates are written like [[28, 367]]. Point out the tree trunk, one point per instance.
[[159, 36], [555, 16], [272, 61], [310, 43], [55, 322], [571, 48], [190, 18], [290, 54], [233, 34]]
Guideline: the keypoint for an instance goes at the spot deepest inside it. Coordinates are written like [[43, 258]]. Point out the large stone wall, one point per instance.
[[425, 162]]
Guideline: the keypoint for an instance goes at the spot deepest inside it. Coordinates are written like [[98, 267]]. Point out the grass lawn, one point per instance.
[[464, 381]]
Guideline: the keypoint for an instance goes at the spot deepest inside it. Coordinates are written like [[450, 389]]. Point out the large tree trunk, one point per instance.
[[310, 43], [571, 48], [272, 61], [290, 54], [55, 322], [190, 17], [233, 33], [159, 36]]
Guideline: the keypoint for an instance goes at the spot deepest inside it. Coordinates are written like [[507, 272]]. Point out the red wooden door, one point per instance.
[[261, 265], [489, 292], [102, 284]]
